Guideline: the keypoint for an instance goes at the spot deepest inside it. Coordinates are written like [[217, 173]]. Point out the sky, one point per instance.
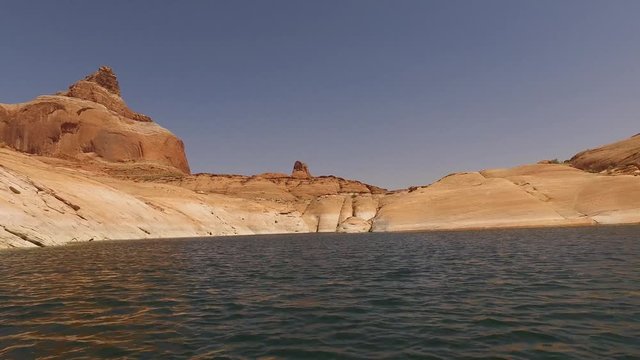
[[393, 93]]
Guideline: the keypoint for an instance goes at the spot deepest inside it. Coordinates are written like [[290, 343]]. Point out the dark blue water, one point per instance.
[[517, 294]]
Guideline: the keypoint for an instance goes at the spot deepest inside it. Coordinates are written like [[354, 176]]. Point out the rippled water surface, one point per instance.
[[546, 293]]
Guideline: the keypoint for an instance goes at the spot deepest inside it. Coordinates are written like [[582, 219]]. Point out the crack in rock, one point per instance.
[[23, 236]]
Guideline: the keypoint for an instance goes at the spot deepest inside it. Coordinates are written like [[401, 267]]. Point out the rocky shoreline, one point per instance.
[[81, 166]]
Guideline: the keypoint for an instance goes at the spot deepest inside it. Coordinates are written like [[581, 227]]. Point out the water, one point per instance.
[[517, 294]]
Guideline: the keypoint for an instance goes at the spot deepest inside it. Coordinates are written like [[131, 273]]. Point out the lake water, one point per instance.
[[570, 293]]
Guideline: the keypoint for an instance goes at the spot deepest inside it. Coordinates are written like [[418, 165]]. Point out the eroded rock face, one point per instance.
[[45, 204], [325, 203], [90, 122], [103, 177], [622, 157], [45, 201], [277, 187]]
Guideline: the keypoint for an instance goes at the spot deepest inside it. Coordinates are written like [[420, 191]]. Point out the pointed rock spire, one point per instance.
[[300, 170], [106, 78]]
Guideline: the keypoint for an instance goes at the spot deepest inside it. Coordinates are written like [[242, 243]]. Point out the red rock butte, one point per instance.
[[90, 122]]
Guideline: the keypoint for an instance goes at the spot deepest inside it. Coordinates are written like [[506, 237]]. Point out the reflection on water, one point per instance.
[[568, 293]]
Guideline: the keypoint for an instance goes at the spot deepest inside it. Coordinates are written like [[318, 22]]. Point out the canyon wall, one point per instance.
[[81, 166]]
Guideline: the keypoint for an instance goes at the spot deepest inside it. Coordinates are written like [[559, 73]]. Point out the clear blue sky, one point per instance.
[[394, 93]]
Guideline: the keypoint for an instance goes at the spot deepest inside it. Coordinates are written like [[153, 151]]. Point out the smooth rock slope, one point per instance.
[[82, 166], [622, 157], [530, 195]]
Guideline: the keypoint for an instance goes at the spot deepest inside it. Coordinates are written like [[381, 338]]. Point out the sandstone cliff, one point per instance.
[[622, 157], [82, 166], [89, 122], [530, 195], [325, 203], [46, 201]]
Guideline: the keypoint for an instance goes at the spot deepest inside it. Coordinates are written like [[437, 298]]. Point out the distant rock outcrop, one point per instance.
[[622, 157], [90, 121], [300, 170]]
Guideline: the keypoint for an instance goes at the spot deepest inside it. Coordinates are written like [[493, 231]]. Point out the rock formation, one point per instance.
[[622, 157], [87, 168], [300, 170], [54, 204], [102, 87], [324, 203], [90, 122], [106, 78]]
